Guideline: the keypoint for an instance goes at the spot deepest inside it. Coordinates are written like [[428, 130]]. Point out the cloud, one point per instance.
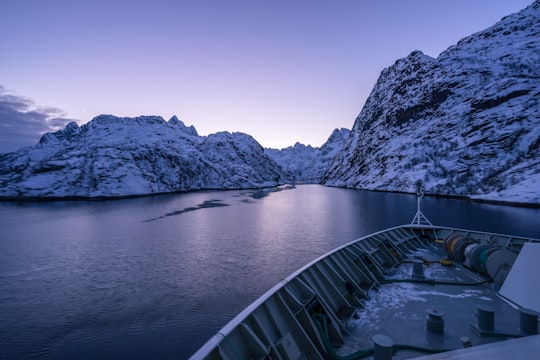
[[23, 122]]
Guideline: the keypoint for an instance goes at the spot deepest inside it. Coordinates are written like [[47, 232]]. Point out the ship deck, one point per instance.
[[404, 292], [400, 306], [522, 348]]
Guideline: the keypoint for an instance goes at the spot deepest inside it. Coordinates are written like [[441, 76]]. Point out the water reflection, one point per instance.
[[98, 279]]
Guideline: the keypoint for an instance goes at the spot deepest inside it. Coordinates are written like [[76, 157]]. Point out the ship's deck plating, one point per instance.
[[390, 280], [399, 309], [523, 348]]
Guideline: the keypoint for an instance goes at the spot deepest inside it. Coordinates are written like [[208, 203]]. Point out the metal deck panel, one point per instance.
[[526, 348]]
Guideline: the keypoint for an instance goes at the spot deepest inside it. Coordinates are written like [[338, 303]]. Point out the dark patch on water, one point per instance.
[[257, 194], [205, 205], [261, 193]]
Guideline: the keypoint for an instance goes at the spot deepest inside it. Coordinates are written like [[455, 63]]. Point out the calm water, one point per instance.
[[156, 277]]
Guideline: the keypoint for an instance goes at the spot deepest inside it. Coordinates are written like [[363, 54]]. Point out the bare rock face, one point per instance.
[[112, 157], [466, 123]]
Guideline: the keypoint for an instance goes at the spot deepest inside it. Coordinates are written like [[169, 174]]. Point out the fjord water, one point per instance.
[[155, 277]]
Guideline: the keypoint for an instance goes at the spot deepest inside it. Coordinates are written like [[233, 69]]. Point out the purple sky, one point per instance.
[[280, 70]]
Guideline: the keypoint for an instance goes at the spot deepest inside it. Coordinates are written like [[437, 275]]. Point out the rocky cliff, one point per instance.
[[464, 123]]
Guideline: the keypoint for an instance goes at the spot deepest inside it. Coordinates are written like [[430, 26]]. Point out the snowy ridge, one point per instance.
[[307, 164], [112, 156], [466, 123]]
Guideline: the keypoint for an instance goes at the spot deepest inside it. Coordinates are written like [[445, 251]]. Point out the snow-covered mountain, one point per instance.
[[466, 123], [112, 156], [305, 163]]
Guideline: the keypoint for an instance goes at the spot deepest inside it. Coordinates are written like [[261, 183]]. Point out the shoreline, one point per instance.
[[23, 199]]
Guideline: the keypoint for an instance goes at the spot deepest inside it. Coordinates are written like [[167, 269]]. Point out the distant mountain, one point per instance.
[[466, 123], [112, 157], [305, 163]]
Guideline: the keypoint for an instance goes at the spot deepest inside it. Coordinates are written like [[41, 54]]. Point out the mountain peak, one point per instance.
[[174, 121], [118, 156], [465, 123], [305, 163]]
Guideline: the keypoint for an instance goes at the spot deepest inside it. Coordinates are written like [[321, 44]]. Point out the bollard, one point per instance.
[[528, 321], [418, 269], [465, 341], [485, 317], [435, 322], [384, 347]]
